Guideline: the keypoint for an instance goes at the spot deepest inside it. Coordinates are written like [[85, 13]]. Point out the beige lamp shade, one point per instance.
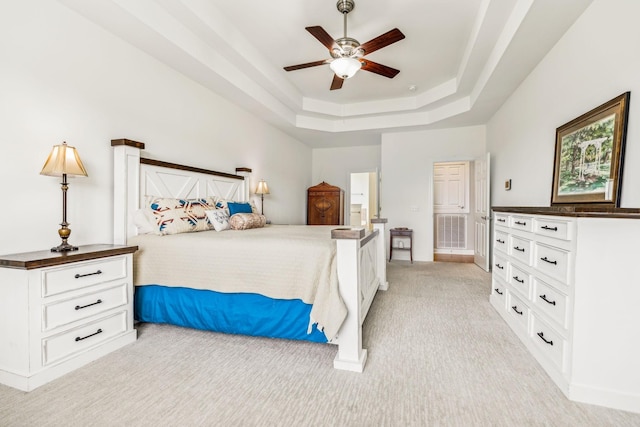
[[63, 159], [263, 188]]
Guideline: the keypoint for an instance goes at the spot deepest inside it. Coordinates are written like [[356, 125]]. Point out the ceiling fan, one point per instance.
[[347, 54]]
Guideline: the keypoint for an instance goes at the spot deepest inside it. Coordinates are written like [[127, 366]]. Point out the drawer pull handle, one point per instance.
[[498, 291], [80, 307], [544, 298], [541, 335], [502, 220], [500, 267], [77, 276], [517, 279], [515, 308], [545, 259], [517, 248], [500, 241], [521, 223], [544, 227], [99, 331]]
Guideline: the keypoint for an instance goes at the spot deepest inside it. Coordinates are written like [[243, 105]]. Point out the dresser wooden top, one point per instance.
[[38, 259], [573, 211]]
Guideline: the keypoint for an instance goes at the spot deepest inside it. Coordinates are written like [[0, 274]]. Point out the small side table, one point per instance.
[[63, 310], [401, 233]]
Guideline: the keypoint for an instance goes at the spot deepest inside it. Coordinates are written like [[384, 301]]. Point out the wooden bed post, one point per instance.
[[351, 356], [361, 272], [126, 175]]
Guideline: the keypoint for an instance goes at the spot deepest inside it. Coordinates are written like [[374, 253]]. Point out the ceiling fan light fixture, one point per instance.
[[345, 67]]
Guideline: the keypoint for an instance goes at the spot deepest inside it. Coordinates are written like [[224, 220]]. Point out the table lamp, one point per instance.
[[62, 161]]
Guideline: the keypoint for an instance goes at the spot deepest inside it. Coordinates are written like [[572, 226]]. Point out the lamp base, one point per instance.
[[65, 247]]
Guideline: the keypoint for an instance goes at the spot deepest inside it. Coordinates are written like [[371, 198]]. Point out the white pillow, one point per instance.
[[219, 218], [144, 220]]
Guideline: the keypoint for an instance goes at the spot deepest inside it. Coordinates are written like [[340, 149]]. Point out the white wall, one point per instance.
[[407, 178], [335, 165], [64, 78], [595, 61]]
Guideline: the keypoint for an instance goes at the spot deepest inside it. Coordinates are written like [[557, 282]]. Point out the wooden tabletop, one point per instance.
[[47, 258]]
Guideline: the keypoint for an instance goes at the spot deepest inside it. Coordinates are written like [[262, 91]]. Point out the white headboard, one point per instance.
[[135, 177]]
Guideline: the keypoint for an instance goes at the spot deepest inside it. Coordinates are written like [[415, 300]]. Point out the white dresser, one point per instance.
[[568, 285], [61, 311]]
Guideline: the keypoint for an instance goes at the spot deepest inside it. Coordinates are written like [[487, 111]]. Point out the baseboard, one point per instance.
[[603, 397], [452, 258]]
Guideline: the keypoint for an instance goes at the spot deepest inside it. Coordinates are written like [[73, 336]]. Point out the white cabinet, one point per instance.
[[61, 311], [567, 285]]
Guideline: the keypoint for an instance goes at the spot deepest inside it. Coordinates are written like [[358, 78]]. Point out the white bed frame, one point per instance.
[[361, 260]]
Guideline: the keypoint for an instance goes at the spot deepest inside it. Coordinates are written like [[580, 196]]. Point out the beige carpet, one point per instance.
[[439, 355]]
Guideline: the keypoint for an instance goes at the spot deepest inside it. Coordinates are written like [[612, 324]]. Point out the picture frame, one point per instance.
[[589, 156]]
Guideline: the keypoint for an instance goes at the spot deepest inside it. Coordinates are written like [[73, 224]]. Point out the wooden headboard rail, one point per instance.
[[135, 177]]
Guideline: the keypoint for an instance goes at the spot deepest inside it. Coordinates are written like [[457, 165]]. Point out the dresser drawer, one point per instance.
[[67, 311], [520, 249], [82, 274], [500, 267], [524, 223], [501, 220], [518, 311], [552, 261], [557, 229], [62, 345], [551, 302], [501, 241], [521, 281], [499, 294], [549, 341]]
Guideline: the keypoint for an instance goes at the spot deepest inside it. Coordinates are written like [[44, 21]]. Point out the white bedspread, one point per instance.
[[283, 262]]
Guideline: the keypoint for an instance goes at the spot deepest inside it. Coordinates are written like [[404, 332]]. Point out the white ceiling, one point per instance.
[[463, 57]]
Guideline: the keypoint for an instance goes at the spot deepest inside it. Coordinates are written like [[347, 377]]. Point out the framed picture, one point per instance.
[[589, 155]]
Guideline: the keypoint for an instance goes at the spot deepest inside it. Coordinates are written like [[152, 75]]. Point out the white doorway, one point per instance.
[[452, 207], [363, 198]]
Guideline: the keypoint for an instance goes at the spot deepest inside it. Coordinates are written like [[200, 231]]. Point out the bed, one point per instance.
[[313, 283]]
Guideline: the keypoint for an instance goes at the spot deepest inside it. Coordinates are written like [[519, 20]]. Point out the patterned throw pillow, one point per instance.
[[219, 218], [243, 221], [175, 216]]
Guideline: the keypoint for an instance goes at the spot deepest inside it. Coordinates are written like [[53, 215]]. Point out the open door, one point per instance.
[[482, 213]]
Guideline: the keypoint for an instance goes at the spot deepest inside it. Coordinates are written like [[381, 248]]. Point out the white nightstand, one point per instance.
[[60, 311]]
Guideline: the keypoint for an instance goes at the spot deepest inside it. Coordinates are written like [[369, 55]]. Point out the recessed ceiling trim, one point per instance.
[[512, 25], [387, 121]]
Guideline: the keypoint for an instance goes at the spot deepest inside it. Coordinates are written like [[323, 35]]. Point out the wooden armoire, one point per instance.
[[325, 205]]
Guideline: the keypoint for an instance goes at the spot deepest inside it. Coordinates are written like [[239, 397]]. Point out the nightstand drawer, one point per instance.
[[60, 346], [67, 311], [82, 274]]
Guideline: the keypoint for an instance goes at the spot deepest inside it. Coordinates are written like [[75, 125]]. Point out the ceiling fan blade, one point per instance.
[[337, 82], [322, 36], [383, 40], [307, 65], [374, 67]]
